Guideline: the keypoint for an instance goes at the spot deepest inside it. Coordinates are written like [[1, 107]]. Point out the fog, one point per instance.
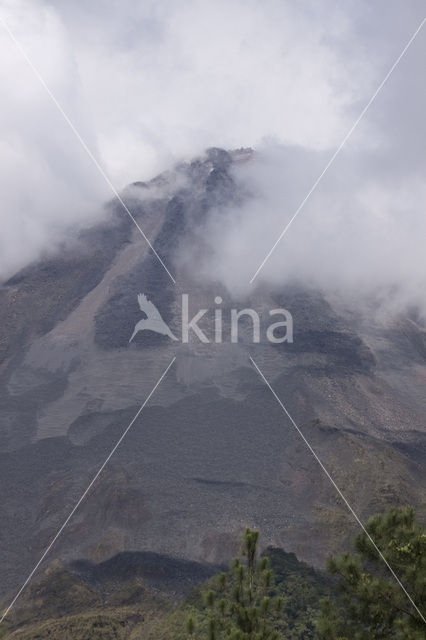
[[148, 84], [360, 232]]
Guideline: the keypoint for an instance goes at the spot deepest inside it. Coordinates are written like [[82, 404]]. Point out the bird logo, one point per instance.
[[153, 320]]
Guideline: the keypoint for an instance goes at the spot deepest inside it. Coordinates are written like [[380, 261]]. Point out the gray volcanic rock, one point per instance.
[[213, 451]]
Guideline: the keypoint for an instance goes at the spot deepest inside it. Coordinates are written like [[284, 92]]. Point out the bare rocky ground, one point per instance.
[[213, 452]]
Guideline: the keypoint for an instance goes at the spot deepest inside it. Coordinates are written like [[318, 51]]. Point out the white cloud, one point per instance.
[[47, 184], [360, 232], [149, 83]]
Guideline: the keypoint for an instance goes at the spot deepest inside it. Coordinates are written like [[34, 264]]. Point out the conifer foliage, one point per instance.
[[372, 605], [244, 606]]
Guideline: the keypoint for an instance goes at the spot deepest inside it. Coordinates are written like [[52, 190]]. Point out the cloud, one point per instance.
[[47, 184], [179, 77], [150, 83], [361, 232]]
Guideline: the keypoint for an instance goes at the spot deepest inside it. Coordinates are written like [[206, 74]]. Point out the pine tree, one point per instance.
[[243, 606], [372, 604]]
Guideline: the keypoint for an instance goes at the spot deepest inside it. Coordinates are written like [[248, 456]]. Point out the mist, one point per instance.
[[149, 84], [361, 233]]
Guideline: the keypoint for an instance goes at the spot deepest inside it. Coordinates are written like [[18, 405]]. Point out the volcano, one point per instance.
[[212, 451]]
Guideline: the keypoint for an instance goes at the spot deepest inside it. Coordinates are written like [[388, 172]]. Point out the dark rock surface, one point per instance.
[[212, 452]]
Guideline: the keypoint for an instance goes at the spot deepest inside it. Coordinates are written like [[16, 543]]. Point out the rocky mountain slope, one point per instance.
[[213, 451]]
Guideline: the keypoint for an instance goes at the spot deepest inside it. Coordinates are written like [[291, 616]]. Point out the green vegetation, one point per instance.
[[275, 596], [266, 597], [370, 604], [61, 606], [243, 606]]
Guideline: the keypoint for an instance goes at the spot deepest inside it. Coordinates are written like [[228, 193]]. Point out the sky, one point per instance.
[[147, 84]]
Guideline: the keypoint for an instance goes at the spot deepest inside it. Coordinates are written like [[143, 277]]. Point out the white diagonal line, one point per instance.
[[98, 473], [83, 143], [338, 490], [339, 148]]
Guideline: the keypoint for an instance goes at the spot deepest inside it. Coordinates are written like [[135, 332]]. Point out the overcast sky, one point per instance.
[[148, 83]]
